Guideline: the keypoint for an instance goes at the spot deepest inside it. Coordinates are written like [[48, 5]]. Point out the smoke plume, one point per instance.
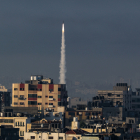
[[62, 66]]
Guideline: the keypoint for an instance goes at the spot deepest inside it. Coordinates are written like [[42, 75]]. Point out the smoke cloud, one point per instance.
[[63, 59]]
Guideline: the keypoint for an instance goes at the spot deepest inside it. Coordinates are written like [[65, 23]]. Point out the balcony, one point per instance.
[[22, 98], [50, 106], [50, 99]]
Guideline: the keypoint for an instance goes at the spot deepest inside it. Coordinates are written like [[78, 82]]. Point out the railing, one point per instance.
[[22, 98]]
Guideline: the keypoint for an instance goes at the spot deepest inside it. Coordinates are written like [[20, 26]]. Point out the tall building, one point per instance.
[[39, 92]]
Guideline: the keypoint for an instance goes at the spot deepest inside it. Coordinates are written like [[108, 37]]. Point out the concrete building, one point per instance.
[[15, 122], [39, 92], [120, 95]]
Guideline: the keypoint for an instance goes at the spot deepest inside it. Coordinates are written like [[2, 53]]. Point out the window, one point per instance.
[[21, 133], [21, 103], [6, 121], [32, 137], [46, 103], [50, 96], [59, 103], [59, 89], [109, 94], [32, 95], [16, 123], [21, 96], [78, 137], [39, 89], [15, 88], [59, 96], [23, 123], [22, 89], [15, 96], [39, 103], [50, 103], [50, 137], [15, 103], [20, 123], [118, 95], [46, 96], [39, 97], [32, 102]]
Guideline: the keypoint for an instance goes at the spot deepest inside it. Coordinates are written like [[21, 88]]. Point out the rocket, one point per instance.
[[63, 27]]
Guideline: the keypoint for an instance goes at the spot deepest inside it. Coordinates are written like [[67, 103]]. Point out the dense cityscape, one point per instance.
[[40, 109], [69, 70]]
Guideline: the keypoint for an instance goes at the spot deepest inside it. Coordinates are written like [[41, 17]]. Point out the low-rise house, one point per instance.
[[15, 122]]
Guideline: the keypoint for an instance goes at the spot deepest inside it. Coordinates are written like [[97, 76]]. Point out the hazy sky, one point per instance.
[[102, 38]]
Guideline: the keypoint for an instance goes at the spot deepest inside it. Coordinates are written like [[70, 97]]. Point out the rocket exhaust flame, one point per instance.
[[63, 27], [62, 60]]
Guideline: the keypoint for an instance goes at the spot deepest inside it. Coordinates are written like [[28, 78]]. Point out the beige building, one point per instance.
[[39, 92], [15, 122]]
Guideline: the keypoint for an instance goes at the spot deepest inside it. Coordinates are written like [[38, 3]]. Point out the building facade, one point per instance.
[[119, 96], [83, 115], [15, 122], [39, 92], [44, 136]]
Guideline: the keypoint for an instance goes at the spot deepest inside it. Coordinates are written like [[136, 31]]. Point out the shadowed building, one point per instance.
[[4, 98], [119, 96]]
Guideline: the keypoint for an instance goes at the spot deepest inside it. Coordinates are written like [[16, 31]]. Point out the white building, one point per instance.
[[44, 136]]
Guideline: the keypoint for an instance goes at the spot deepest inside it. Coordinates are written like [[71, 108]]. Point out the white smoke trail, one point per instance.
[[62, 60]]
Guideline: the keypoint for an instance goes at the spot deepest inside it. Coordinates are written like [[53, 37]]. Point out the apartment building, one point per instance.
[[119, 96], [39, 92]]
